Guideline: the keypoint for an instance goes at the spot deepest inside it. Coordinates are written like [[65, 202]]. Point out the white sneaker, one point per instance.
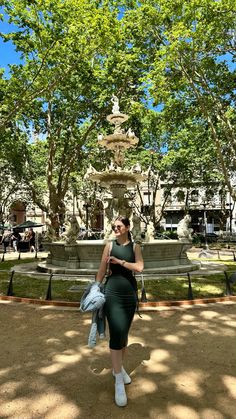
[[120, 394], [127, 379]]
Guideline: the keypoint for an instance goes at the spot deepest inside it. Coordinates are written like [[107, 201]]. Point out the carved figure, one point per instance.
[[112, 167], [109, 217], [73, 232], [149, 236], [183, 230], [136, 230], [90, 170], [50, 234], [115, 101], [130, 133], [136, 168]]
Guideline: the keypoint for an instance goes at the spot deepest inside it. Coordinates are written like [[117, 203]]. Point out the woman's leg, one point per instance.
[[120, 394], [126, 377], [116, 360], [117, 364]]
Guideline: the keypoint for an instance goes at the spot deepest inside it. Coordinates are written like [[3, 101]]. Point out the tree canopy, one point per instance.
[[170, 63], [189, 48]]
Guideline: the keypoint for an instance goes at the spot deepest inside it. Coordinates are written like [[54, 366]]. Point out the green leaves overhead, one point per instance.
[[170, 63], [189, 49]]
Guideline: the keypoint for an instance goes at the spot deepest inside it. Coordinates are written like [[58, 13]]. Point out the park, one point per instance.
[[113, 109]]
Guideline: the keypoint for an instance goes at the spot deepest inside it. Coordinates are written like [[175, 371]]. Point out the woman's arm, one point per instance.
[[136, 266], [103, 264]]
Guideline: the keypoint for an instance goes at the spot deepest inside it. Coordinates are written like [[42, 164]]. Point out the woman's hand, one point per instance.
[[113, 260]]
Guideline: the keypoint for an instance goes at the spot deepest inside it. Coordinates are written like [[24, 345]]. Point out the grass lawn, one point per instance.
[[163, 288]]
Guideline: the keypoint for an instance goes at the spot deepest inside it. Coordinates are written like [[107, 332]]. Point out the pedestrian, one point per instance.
[[31, 240], [16, 238], [6, 239], [123, 258]]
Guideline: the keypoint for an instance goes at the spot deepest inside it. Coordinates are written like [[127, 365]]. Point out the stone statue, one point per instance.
[[115, 101], [130, 133], [183, 230], [136, 168], [136, 229], [109, 218], [149, 236], [112, 167], [73, 232], [50, 234]]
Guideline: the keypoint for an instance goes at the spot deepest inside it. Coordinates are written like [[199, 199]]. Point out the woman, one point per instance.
[[120, 290]]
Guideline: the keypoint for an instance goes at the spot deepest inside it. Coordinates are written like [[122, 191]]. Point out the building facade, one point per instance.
[[214, 213]]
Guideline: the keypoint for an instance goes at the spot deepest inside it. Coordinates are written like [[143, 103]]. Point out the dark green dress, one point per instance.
[[120, 296]]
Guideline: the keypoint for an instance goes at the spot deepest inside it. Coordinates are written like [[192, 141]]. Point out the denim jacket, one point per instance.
[[93, 298], [98, 326]]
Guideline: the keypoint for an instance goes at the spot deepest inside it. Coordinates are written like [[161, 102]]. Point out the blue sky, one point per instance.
[[7, 49]]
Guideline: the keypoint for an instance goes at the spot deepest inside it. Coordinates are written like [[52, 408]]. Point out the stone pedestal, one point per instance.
[[160, 256], [72, 260]]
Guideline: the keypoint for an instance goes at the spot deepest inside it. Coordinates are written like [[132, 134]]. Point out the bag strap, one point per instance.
[[142, 280]]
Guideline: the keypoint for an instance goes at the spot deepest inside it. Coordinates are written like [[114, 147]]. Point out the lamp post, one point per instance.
[[205, 225], [230, 217]]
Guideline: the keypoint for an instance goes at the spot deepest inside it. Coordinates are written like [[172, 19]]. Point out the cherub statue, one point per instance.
[[183, 230], [73, 232], [90, 170], [136, 168], [115, 101], [130, 133], [112, 167]]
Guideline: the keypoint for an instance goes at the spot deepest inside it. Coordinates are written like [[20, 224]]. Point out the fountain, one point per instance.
[[83, 256]]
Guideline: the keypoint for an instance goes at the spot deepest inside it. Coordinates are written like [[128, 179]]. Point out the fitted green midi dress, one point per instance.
[[121, 297]]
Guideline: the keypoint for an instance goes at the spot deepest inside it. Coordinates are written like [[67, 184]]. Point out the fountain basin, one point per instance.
[[83, 257]]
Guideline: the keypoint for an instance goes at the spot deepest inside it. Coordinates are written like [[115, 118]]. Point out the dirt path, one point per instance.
[[182, 362]]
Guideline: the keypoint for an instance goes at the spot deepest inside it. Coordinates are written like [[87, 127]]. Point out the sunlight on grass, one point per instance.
[[163, 288]]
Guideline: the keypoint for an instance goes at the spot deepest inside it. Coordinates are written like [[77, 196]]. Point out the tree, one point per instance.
[[75, 55], [189, 48], [11, 169]]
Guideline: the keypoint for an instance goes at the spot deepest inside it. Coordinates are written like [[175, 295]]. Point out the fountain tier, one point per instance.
[[160, 256]]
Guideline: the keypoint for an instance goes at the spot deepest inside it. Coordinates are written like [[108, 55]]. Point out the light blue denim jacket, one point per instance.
[[98, 326], [93, 298]]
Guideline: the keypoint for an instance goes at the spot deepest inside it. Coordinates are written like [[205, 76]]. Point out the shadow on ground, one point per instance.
[[182, 364]]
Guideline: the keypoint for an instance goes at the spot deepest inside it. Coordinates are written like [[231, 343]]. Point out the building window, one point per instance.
[[194, 196]]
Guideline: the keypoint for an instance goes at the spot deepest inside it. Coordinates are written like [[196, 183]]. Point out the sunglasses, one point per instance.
[[116, 228]]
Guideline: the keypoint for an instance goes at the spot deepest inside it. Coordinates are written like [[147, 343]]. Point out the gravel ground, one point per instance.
[[182, 363]]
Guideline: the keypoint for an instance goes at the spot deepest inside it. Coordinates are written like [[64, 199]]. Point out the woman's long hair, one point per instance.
[[126, 223]]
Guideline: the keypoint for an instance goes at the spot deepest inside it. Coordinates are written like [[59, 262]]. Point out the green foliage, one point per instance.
[[170, 63], [75, 56], [189, 49]]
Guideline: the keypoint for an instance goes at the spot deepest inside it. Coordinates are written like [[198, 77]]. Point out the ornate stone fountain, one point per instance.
[[117, 179], [83, 257]]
